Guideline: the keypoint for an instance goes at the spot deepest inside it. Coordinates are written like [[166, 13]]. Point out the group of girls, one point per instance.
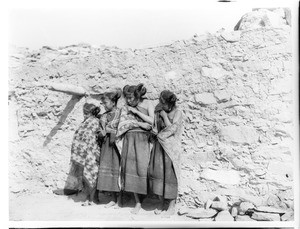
[[112, 152]]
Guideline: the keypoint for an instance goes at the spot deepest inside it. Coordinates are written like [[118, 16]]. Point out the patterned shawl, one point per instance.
[[109, 121], [128, 121], [85, 149], [170, 139]]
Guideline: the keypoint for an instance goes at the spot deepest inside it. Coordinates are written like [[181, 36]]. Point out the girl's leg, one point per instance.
[[119, 200], [158, 210], [171, 209], [138, 204], [113, 202], [90, 197]]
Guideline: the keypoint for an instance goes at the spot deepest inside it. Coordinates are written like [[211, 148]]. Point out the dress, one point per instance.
[[162, 176], [135, 158], [109, 157], [84, 153]]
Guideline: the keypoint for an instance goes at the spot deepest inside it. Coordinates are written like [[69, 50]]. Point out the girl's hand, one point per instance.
[[133, 110], [112, 139], [163, 114], [145, 125]]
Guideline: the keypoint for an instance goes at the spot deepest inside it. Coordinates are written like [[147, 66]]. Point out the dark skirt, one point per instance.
[[162, 178], [135, 161], [109, 168]]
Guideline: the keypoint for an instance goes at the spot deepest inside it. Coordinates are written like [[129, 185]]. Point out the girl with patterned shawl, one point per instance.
[[133, 130], [110, 156], [164, 167], [85, 153]]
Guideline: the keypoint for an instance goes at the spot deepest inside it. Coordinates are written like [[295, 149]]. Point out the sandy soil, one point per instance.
[[51, 207]]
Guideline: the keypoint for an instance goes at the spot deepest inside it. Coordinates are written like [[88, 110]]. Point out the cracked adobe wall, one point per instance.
[[235, 90]]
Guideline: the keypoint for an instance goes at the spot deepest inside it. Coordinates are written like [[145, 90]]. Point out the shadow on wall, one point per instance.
[[70, 106]]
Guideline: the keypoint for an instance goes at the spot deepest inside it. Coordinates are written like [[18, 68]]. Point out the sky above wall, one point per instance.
[[130, 25]]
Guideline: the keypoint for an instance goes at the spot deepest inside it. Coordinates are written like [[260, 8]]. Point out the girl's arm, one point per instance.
[[170, 130], [147, 118], [166, 118]]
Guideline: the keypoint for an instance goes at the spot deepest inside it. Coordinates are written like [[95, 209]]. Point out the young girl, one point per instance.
[[164, 164], [84, 156], [109, 157], [135, 122]]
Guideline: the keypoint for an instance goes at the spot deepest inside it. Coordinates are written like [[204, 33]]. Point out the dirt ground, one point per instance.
[[51, 207]]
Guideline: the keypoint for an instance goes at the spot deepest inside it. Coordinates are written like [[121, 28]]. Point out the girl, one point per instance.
[[135, 122], [165, 155], [84, 156], [110, 157]]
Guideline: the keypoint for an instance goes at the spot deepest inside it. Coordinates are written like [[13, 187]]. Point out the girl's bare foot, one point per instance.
[[136, 209], [157, 211], [160, 208], [110, 204], [86, 203], [170, 211], [116, 206], [119, 204]]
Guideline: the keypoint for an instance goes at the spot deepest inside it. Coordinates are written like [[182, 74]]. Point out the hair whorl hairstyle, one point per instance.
[[89, 108], [113, 96], [168, 97], [138, 91]]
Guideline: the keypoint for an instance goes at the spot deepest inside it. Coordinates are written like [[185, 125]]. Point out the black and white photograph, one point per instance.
[[164, 113]]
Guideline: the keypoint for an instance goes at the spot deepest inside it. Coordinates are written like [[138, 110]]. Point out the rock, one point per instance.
[[288, 216], [256, 200], [220, 198], [261, 216], [281, 86], [221, 176], [220, 206], [269, 209], [208, 204], [172, 75], [205, 98], [202, 213], [205, 156], [213, 72], [289, 203], [224, 216], [205, 196], [283, 130], [206, 219], [239, 134], [201, 145], [183, 211], [284, 116], [272, 200], [15, 189], [260, 172], [210, 143], [234, 211], [233, 36], [260, 18], [244, 207], [276, 153], [282, 169], [222, 96], [243, 218]]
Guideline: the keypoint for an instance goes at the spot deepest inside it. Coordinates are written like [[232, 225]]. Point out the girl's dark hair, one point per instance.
[[113, 96], [95, 111], [89, 108], [168, 97], [137, 90]]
